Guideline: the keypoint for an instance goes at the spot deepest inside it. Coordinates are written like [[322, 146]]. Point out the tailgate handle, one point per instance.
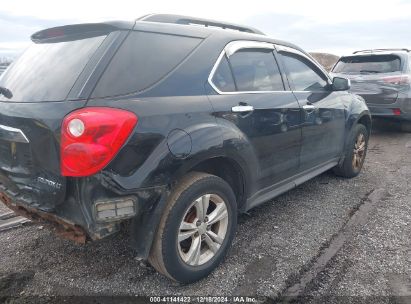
[[12, 134]]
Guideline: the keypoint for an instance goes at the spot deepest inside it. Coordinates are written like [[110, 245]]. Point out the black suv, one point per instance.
[[383, 78], [171, 126]]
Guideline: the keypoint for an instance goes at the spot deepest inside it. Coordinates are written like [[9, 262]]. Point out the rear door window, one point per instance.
[[144, 59], [256, 70], [303, 74], [47, 71], [371, 64]]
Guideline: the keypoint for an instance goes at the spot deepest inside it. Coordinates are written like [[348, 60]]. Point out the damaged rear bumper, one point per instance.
[[63, 227], [74, 219], [89, 215]]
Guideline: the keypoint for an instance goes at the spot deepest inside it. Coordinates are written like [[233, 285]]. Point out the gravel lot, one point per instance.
[[330, 240]]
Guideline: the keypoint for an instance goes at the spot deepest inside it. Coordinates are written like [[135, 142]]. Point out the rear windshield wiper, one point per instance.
[[6, 92]]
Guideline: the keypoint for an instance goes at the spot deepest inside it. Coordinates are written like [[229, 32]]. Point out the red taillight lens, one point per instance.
[[396, 112], [403, 79], [91, 137]]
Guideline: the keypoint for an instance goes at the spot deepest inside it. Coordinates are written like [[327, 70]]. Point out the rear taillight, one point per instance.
[[396, 112], [91, 137], [398, 80]]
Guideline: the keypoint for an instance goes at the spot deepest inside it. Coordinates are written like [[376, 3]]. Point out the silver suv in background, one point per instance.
[[382, 77]]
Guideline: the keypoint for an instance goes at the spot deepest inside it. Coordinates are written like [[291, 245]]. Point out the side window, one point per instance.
[[223, 78], [302, 73], [143, 59], [256, 70]]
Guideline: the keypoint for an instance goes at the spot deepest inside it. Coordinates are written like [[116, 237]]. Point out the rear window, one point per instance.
[[47, 72], [143, 60], [368, 64]]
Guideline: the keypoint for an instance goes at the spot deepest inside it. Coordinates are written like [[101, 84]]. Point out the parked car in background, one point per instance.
[[382, 77], [172, 123]]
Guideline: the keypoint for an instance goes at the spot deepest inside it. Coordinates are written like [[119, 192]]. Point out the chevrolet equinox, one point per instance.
[[170, 126]]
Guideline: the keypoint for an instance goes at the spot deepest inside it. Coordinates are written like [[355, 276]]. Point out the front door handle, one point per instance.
[[309, 107], [242, 109]]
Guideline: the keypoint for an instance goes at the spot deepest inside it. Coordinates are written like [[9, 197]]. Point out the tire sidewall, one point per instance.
[[175, 266]]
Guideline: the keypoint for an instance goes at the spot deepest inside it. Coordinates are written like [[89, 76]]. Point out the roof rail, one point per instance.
[[177, 19], [381, 50]]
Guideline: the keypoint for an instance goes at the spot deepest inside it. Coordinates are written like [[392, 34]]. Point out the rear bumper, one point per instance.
[[388, 113], [387, 110], [74, 218], [63, 227]]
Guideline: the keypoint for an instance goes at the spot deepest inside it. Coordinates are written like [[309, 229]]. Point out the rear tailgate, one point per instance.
[[30, 152], [41, 84], [376, 89], [377, 78]]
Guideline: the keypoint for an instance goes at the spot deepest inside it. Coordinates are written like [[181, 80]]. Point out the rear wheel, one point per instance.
[[355, 153], [196, 229]]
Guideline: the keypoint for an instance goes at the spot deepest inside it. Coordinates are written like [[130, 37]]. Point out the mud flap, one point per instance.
[[144, 226]]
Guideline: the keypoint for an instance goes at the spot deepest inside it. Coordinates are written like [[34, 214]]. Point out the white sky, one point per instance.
[[300, 16], [323, 11]]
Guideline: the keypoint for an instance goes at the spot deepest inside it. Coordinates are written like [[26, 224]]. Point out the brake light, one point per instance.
[[91, 137], [396, 112], [403, 79]]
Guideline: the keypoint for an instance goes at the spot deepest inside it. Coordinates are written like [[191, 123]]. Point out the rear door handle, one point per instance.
[[242, 109]]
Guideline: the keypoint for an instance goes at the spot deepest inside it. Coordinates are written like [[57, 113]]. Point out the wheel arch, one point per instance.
[[366, 121], [363, 118], [229, 170]]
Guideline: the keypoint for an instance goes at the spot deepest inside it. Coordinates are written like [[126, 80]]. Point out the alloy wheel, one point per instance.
[[203, 229], [359, 152]]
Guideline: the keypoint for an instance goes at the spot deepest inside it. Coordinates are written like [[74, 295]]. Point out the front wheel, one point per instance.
[[196, 228], [355, 153]]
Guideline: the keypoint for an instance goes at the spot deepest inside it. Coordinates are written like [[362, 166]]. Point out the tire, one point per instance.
[[349, 168], [406, 126], [174, 259]]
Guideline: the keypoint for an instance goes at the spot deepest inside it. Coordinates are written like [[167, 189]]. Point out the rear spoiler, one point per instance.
[[381, 50], [78, 31]]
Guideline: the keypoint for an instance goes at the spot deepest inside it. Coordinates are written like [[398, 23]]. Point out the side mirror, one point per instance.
[[341, 84]]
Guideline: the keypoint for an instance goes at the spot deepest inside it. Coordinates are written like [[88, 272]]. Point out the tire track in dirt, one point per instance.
[[297, 286]]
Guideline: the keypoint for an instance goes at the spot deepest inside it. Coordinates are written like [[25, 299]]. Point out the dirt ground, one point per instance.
[[330, 240]]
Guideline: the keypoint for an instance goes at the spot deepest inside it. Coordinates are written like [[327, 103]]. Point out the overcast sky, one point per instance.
[[337, 27]]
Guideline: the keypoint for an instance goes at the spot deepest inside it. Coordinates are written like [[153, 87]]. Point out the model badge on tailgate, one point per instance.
[[49, 182]]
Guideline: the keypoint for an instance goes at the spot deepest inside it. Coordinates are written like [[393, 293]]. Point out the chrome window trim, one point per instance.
[[229, 50], [13, 134], [287, 49], [235, 46]]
